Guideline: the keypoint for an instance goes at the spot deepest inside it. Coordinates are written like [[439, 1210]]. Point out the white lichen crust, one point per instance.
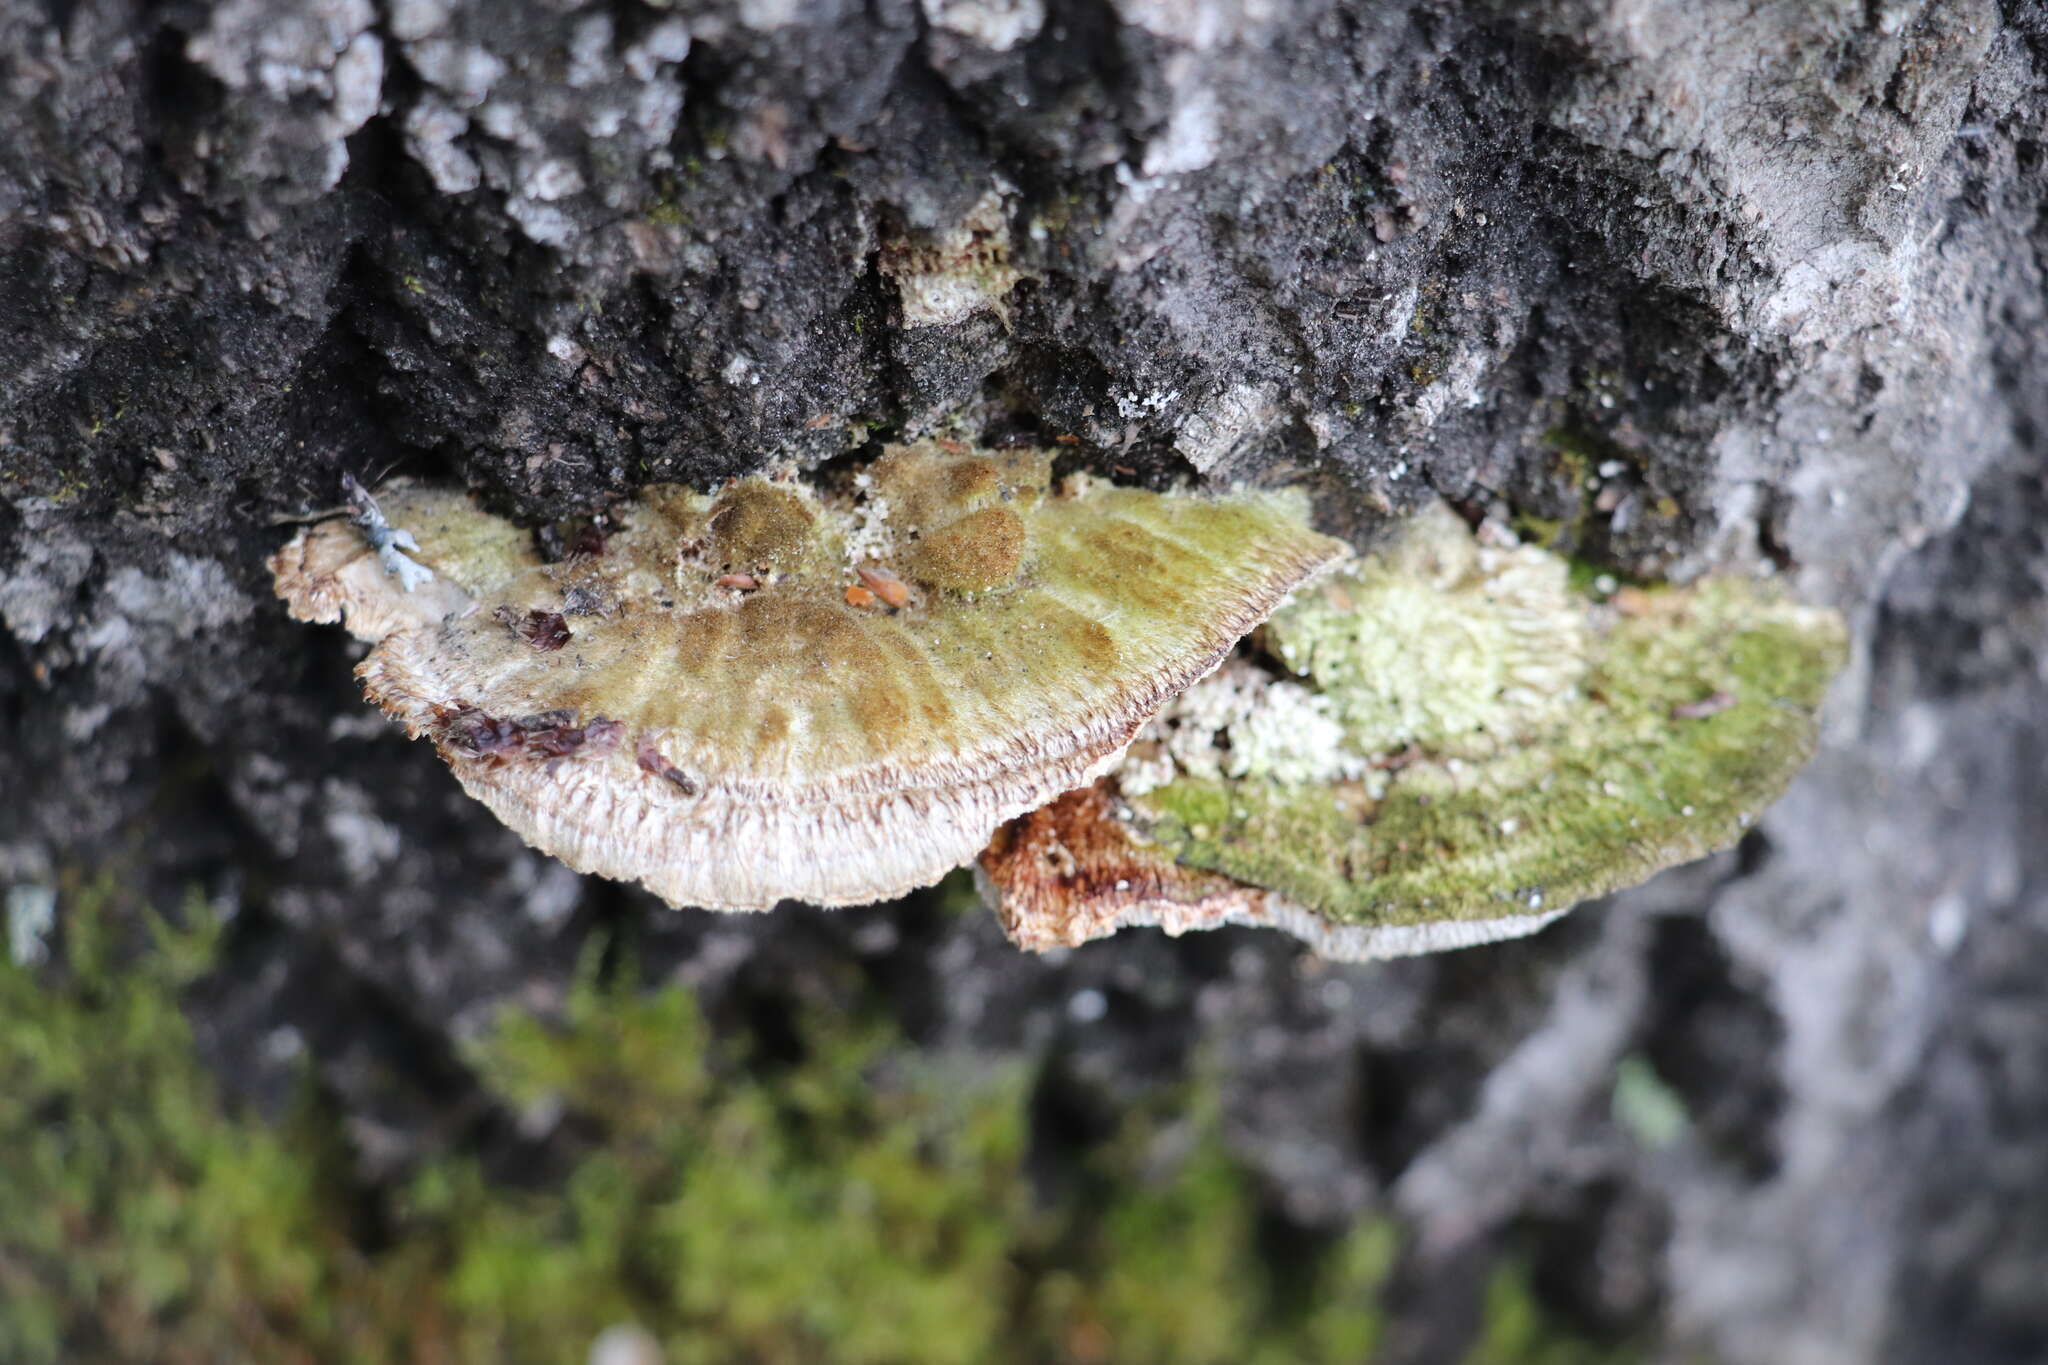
[[1445, 639], [763, 693], [1238, 721]]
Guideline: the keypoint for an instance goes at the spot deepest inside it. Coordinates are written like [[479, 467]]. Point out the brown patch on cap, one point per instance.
[[981, 550], [927, 487], [756, 525]]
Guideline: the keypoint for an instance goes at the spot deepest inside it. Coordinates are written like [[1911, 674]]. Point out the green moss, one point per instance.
[[665, 208], [1691, 715], [1516, 1330], [814, 1217], [1181, 1287], [824, 1216], [957, 896], [1576, 453], [866, 1204], [137, 1222], [1534, 530], [1596, 581]]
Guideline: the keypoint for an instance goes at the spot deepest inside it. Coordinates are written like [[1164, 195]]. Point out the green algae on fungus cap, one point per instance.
[[774, 692], [1377, 820]]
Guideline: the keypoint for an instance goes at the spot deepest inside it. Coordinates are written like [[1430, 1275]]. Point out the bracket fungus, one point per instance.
[[774, 691], [1445, 744]]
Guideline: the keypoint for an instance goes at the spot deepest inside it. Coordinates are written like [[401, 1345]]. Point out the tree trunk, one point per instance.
[[1693, 285]]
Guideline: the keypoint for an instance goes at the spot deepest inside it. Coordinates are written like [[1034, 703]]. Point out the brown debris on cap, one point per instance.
[[733, 749], [886, 586], [544, 630]]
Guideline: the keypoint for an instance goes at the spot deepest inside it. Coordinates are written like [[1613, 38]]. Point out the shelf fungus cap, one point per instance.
[[1445, 744], [1080, 868], [776, 692]]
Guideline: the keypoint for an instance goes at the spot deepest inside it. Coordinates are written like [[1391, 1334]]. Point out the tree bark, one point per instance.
[[1694, 285]]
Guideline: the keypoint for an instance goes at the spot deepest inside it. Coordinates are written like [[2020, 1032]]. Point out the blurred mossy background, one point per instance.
[[850, 1199]]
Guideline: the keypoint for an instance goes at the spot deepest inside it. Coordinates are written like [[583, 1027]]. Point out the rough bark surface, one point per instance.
[[1694, 284]]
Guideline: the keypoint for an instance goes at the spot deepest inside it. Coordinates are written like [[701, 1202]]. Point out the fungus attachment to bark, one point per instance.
[[1445, 744], [823, 695]]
